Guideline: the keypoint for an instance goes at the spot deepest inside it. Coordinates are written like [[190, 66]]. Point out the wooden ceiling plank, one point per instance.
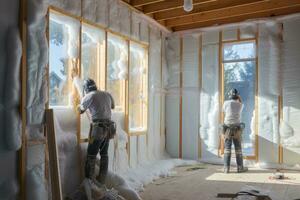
[[236, 19], [137, 3], [178, 12], [230, 12], [170, 5]]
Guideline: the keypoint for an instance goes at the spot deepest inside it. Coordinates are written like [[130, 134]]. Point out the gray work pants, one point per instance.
[[233, 135], [97, 144]]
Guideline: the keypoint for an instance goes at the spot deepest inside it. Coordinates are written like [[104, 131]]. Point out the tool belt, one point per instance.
[[233, 130], [108, 126]]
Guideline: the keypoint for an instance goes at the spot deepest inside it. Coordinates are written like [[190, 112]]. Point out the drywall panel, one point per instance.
[[172, 96], [190, 98]]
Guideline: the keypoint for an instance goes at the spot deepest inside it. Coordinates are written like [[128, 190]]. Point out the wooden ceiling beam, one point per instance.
[[215, 5], [236, 19], [137, 3], [232, 12], [169, 5]]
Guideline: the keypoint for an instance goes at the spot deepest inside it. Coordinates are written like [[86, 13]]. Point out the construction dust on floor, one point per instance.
[[204, 182]]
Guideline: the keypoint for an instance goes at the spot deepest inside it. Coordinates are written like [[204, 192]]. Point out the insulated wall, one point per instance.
[[269, 78], [173, 96], [274, 123], [10, 129], [290, 128], [209, 100], [116, 17], [190, 97]]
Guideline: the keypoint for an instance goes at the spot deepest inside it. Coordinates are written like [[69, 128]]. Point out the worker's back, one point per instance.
[[99, 104], [232, 110]]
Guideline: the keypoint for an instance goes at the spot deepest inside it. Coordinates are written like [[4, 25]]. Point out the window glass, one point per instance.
[[63, 48], [92, 63], [117, 69], [242, 76], [237, 51], [138, 86], [93, 54]]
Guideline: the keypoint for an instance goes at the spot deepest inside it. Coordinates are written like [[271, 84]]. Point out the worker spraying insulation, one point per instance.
[[232, 130], [98, 104]]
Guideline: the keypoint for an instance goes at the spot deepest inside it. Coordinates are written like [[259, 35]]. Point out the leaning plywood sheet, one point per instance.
[[53, 156]]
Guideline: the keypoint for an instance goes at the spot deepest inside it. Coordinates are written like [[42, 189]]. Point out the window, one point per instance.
[[117, 69], [92, 62], [63, 48], [103, 57], [239, 65], [93, 54], [138, 87]]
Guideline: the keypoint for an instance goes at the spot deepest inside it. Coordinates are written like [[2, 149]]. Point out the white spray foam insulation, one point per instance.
[[154, 70], [209, 98], [10, 141], [291, 91], [95, 11], [230, 34], [269, 79], [191, 97], [172, 96]]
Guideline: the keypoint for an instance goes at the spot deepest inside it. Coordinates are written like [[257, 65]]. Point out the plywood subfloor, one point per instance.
[[203, 182]]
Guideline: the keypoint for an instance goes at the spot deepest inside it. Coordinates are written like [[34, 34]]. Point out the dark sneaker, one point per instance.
[[242, 169]]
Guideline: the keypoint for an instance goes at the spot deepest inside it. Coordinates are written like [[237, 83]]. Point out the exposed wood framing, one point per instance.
[[200, 89], [127, 104], [256, 94], [180, 96], [234, 15], [22, 158], [169, 5], [161, 84], [253, 10], [200, 8], [137, 3], [221, 93], [280, 107]]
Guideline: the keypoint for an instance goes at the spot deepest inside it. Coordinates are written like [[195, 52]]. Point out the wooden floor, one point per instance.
[[203, 182]]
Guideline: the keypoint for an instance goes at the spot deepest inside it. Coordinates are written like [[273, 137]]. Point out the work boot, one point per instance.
[[242, 169]]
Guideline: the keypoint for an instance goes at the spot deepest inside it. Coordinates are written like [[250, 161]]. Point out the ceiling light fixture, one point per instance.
[[188, 5]]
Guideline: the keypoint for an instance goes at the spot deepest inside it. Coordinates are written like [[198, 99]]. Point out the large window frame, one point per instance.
[[222, 62], [102, 82]]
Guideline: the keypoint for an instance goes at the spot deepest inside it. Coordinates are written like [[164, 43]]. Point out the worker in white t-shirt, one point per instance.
[[232, 130]]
